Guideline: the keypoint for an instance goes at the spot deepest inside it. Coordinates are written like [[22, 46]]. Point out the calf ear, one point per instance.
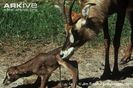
[[7, 75], [15, 72]]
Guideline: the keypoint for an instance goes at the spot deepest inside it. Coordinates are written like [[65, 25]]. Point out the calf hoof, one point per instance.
[[125, 61], [59, 85]]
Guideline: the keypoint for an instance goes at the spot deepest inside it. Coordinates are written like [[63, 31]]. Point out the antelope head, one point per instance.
[[78, 30], [11, 76]]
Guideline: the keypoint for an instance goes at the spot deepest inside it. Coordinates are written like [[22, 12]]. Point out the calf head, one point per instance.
[[11, 75]]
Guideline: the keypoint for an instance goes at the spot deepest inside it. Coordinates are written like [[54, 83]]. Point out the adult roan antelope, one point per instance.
[[93, 19]]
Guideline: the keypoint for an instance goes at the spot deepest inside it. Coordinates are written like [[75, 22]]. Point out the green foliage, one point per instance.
[[46, 24]]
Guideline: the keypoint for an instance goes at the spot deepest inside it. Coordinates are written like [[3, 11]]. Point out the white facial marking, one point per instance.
[[80, 23], [71, 38], [66, 53], [83, 21]]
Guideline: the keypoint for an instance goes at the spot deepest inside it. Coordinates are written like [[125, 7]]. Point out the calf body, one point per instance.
[[42, 65]]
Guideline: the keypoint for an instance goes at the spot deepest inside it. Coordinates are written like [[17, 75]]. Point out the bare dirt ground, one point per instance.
[[90, 64]]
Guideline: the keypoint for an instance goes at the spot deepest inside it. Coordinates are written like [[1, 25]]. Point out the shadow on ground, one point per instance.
[[83, 83], [127, 72]]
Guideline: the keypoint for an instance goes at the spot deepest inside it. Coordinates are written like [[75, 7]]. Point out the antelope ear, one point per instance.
[[85, 10]]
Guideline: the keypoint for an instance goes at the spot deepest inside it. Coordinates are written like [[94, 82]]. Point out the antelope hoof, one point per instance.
[[125, 61], [106, 76], [117, 75]]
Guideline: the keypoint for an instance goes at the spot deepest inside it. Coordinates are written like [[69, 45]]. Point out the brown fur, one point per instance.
[[127, 52], [95, 21], [42, 65]]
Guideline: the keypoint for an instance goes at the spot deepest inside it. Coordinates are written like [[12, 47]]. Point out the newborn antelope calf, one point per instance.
[[42, 65]]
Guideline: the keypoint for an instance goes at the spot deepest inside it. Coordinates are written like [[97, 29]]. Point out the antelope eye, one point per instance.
[[10, 74]]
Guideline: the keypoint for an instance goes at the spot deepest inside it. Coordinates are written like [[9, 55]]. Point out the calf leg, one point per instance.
[[107, 71], [73, 71], [44, 80], [37, 82], [127, 56]]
